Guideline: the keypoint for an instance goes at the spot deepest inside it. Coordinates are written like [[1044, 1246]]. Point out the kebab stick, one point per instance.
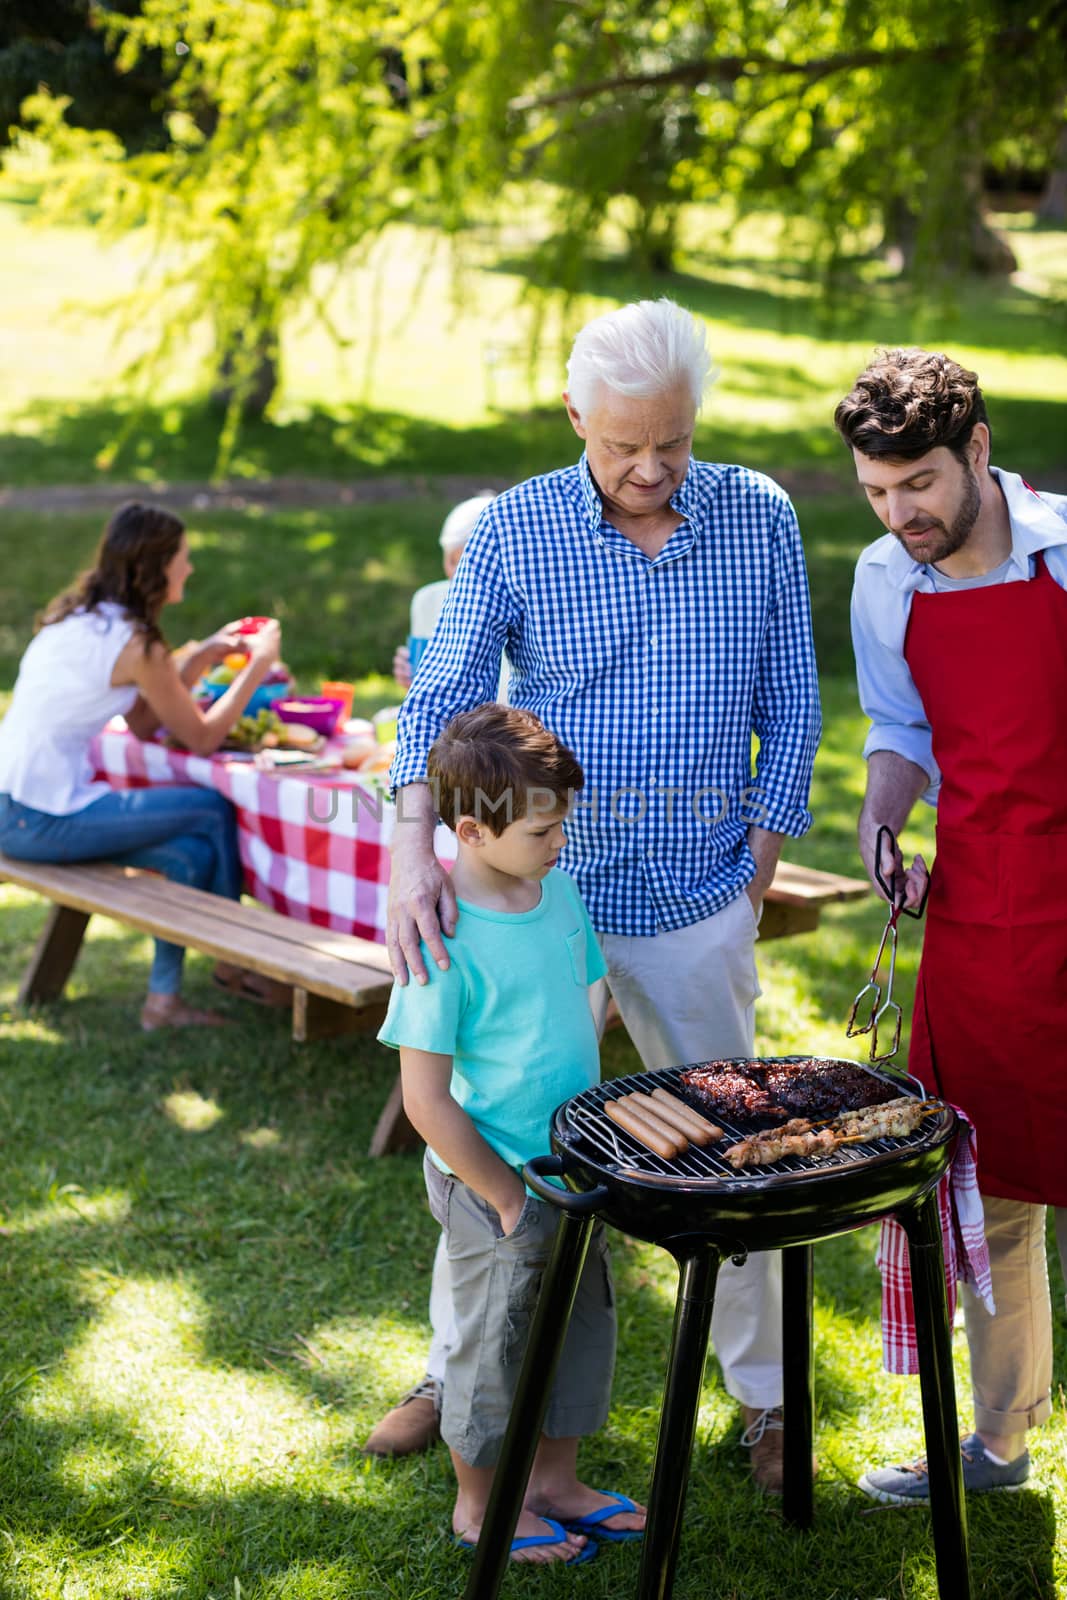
[[704, 1132], [653, 1135]]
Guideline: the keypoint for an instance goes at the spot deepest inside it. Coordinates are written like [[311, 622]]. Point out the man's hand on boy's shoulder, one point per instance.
[[422, 901]]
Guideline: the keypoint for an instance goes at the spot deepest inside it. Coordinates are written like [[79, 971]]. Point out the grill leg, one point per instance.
[[548, 1329], [798, 1372], [948, 1509], [698, 1274]]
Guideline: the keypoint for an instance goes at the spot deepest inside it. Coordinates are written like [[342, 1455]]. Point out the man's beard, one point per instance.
[[942, 541]]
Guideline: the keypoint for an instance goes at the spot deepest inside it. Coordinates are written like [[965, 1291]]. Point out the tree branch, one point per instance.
[[729, 69]]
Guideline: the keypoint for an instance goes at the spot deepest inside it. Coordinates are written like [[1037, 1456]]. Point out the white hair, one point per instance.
[[463, 519], [640, 350]]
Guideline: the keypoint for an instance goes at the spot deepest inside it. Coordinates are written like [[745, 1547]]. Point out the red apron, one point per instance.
[[990, 1026]]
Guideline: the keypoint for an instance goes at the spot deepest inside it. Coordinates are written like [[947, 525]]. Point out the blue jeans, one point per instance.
[[187, 834]]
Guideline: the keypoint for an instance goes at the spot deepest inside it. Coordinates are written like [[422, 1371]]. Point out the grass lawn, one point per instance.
[[207, 1292]]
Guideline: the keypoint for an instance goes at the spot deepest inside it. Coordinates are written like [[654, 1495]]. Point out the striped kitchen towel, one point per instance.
[[966, 1254]]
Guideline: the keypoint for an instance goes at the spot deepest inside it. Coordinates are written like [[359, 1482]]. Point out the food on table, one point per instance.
[[357, 751], [895, 1119], [298, 736], [770, 1092], [655, 1136], [236, 660], [378, 763], [260, 732]]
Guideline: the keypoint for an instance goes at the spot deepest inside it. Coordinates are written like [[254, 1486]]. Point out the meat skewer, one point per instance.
[[893, 1120]]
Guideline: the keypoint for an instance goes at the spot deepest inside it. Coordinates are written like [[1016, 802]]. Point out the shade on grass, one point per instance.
[[208, 1293]]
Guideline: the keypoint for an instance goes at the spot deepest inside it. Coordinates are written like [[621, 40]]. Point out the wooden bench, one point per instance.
[[795, 899], [340, 983]]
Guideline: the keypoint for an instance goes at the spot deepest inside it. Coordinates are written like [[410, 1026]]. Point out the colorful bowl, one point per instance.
[[263, 699], [314, 710]]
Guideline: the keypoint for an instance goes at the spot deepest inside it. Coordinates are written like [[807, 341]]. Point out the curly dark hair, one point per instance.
[[129, 569], [908, 402], [498, 763]]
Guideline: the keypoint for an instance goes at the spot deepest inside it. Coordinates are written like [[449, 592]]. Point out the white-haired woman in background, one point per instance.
[[428, 602]]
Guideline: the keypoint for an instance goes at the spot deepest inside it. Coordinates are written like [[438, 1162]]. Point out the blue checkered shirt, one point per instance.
[[656, 673]]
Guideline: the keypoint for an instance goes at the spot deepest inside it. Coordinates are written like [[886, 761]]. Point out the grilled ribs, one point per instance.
[[737, 1093], [766, 1094]]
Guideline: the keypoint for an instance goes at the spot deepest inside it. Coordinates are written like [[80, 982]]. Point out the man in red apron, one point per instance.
[[959, 620]]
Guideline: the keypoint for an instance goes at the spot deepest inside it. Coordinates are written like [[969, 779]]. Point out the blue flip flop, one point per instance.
[[593, 1523], [558, 1535]]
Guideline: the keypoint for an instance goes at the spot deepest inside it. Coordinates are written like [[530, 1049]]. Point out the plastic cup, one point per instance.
[[385, 724], [342, 692], [416, 651]]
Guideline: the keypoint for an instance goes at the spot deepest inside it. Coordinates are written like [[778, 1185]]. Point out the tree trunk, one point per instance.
[[1052, 206], [254, 380], [652, 236]]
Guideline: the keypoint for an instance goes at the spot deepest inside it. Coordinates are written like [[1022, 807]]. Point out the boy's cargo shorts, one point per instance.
[[495, 1283]]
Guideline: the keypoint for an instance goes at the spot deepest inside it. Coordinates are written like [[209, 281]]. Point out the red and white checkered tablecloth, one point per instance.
[[314, 846]]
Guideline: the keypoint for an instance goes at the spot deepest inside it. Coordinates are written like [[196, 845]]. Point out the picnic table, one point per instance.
[[314, 845]]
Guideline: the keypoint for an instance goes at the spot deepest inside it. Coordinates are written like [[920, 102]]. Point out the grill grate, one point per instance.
[[584, 1123]]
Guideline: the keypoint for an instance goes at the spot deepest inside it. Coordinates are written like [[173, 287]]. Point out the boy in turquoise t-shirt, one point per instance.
[[488, 1049]]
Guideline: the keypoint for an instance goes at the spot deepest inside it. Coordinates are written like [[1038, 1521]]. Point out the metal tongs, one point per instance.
[[871, 994]]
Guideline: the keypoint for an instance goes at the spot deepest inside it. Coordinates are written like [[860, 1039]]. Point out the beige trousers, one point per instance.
[[1011, 1353], [690, 996]]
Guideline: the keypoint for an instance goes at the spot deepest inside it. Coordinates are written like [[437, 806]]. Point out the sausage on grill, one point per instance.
[[653, 1135]]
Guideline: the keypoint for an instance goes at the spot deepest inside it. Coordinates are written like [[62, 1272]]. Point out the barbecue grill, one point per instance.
[[702, 1210]]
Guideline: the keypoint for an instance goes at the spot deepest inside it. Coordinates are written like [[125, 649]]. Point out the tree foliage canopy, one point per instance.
[[296, 130]]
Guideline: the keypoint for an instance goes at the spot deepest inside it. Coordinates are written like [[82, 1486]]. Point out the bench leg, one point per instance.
[[57, 950], [393, 1132], [315, 1017]]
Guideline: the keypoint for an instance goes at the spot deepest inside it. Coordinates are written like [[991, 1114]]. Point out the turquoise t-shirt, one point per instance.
[[513, 1013]]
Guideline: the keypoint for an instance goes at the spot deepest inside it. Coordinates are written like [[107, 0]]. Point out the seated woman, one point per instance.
[[99, 652]]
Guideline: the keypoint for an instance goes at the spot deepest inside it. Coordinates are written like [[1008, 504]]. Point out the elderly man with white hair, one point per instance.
[[654, 613]]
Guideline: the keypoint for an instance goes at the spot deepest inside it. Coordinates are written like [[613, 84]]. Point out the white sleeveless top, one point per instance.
[[62, 699]]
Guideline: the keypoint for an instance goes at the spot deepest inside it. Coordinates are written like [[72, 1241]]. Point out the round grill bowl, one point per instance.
[[797, 1201]]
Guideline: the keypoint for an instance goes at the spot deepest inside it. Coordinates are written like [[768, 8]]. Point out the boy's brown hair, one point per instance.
[[496, 764], [908, 402]]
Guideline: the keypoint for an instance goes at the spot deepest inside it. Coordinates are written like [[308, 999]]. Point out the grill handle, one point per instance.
[[536, 1171]]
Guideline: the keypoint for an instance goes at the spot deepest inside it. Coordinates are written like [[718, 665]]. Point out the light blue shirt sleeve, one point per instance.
[[886, 688], [426, 1016]]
